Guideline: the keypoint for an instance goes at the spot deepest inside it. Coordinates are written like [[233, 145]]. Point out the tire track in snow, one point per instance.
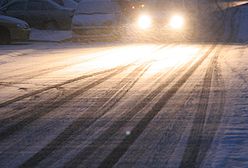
[[162, 150], [40, 91], [41, 110], [177, 123], [44, 71], [33, 74], [117, 153], [216, 113], [8, 102], [121, 148], [174, 133], [89, 117], [197, 145]]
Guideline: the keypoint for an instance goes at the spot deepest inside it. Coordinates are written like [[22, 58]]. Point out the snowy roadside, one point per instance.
[[50, 35]]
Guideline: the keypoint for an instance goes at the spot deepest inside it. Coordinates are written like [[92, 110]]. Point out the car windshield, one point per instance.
[[97, 7]]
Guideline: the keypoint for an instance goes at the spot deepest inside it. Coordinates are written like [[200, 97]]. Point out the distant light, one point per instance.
[[128, 133], [133, 7], [144, 22], [177, 22], [142, 6]]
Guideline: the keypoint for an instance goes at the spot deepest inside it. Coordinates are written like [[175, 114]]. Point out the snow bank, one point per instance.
[[50, 35]]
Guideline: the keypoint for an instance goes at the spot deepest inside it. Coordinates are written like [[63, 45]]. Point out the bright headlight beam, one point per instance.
[[144, 22], [176, 22]]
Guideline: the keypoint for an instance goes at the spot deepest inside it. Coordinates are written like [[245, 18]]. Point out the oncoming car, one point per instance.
[[94, 19], [161, 25], [12, 29]]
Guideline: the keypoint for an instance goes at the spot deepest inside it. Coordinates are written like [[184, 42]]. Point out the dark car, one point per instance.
[[44, 14], [67, 3], [12, 29]]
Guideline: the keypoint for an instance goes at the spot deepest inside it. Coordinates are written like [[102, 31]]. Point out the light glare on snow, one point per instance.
[[172, 56]]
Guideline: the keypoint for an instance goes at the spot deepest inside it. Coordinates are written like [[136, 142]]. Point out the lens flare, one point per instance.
[[177, 22], [144, 22]]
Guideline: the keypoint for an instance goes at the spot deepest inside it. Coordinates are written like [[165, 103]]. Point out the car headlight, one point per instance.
[[144, 22], [22, 26], [176, 22]]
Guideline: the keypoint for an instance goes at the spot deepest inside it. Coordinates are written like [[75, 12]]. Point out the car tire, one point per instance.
[[4, 36]]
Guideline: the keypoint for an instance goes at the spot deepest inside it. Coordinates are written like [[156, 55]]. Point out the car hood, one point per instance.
[[7, 19]]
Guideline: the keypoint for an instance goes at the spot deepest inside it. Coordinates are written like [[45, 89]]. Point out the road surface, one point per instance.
[[123, 105]]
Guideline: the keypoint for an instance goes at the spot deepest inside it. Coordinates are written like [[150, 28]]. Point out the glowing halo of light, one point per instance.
[[144, 21], [176, 22]]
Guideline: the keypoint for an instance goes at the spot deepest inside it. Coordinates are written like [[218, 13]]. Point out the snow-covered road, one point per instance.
[[123, 105]]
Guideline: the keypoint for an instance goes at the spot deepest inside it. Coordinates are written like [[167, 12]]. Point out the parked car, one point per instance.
[[70, 4], [12, 29], [67, 3], [44, 14], [98, 18], [3, 2]]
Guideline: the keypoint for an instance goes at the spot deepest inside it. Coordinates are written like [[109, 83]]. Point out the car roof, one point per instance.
[[4, 19], [11, 2], [50, 1]]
